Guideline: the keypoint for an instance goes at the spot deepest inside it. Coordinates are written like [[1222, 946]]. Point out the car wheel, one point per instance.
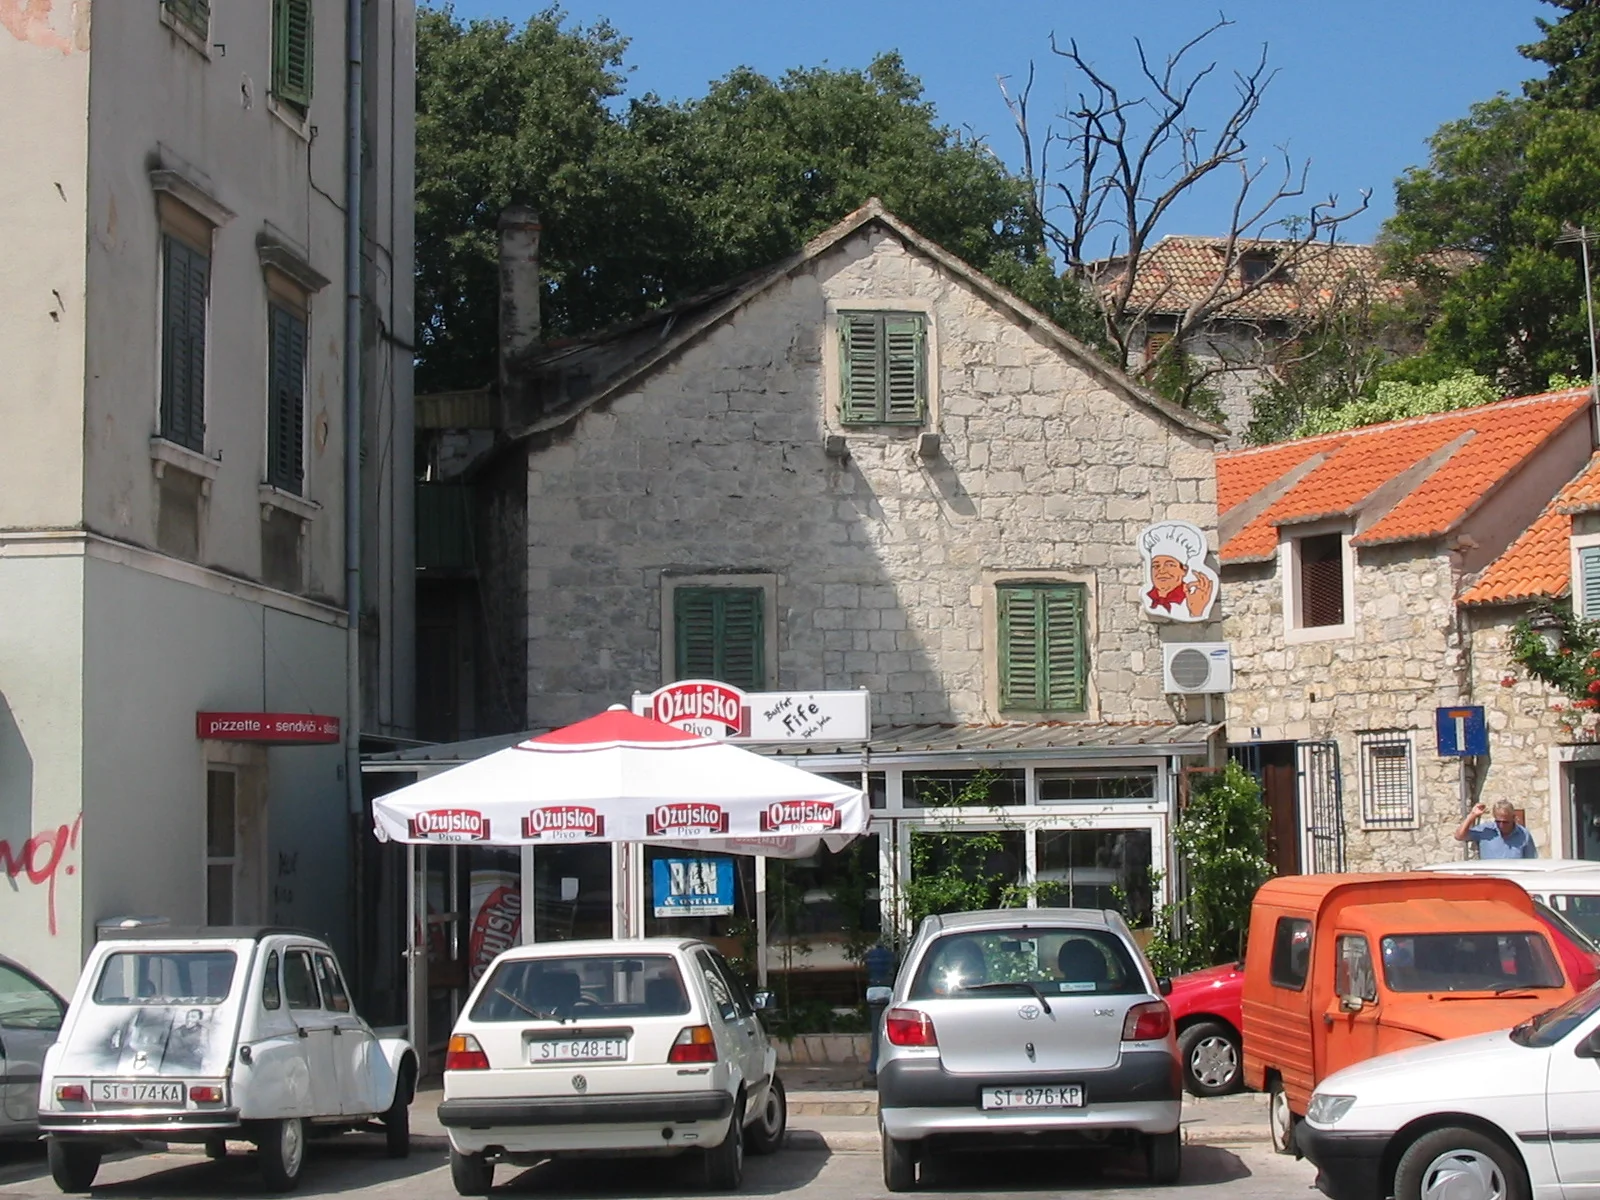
[[724, 1162], [473, 1174], [397, 1121], [1460, 1163], [764, 1135], [1280, 1118], [1163, 1156], [73, 1165], [899, 1162], [282, 1150], [1211, 1059]]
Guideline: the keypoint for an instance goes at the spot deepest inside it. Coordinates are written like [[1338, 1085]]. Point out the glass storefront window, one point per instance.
[[829, 895], [983, 863], [877, 786], [572, 893], [942, 789], [692, 893], [1095, 784], [1096, 868]]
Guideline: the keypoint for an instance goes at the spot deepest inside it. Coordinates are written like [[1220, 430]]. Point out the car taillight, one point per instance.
[[695, 1044], [71, 1093], [464, 1054], [205, 1093], [1147, 1022], [908, 1027]]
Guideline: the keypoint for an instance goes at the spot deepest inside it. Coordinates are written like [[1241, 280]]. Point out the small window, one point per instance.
[[1588, 589], [1388, 799], [1352, 968], [719, 635], [1255, 267], [25, 1003], [1291, 953], [883, 368], [185, 286], [291, 53], [286, 399], [334, 997], [1321, 572], [193, 15], [222, 845], [719, 988], [1044, 654], [299, 984], [271, 989], [1154, 343], [741, 1000]]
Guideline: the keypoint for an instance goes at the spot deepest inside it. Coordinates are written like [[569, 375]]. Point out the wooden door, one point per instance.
[[1280, 791]]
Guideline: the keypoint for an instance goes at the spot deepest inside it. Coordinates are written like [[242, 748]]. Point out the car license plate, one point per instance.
[[117, 1091], [554, 1050], [1068, 1095]]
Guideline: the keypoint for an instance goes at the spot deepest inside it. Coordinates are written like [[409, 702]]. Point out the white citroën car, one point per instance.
[[207, 1035]]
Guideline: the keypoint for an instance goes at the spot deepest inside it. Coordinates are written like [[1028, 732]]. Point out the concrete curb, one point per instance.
[[1208, 1135], [833, 1141], [820, 1104]]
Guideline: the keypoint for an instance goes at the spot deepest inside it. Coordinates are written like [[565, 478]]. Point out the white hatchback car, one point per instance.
[[216, 1034], [1513, 1115], [645, 1046]]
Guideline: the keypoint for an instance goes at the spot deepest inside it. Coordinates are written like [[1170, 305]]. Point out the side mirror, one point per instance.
[[1164, 985], [1351, 1004], [1590, 1046], [765, 1001]]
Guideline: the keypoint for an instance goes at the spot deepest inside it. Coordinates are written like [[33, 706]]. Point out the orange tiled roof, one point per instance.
[[1538, 564], [1431, 472]]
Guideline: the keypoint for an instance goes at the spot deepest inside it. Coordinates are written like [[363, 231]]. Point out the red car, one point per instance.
[[1205, 1008]]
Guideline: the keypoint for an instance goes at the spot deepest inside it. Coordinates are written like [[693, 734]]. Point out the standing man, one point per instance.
[[1499, 838]]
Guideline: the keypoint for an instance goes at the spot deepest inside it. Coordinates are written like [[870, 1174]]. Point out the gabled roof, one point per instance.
[[1538, 565], [1401, 480], [707, 311]]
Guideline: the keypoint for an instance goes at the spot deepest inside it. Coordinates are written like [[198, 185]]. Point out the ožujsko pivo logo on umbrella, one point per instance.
[[450, 825], [686, 820], [703, 707], [800, 816], [562, 823]]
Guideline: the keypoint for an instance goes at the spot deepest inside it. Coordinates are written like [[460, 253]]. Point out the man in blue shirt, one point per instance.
[[1499, 838]]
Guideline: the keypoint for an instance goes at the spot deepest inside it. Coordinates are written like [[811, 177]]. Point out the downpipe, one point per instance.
[[352, 454]]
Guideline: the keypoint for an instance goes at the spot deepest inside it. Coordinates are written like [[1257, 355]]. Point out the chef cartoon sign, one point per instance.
[[1177, 583]]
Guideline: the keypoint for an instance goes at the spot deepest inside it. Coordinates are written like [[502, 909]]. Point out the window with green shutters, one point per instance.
[[883, 368], [1588, 588], [185, 281], [719, 635], [1044, 653], [286, 399], [291, 52], [194, 15]]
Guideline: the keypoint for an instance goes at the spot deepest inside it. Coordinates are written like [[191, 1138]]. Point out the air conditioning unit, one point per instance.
[[1196, 667]]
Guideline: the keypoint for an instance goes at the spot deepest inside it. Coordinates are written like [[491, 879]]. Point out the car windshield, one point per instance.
[[165, 977], [1468, 962], [1550, 1027], [582, 988], [1582, 911], [1050, 962]]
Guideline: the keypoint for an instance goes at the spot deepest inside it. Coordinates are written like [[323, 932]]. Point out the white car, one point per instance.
[[1571, 886], [644, 1046], [1513, 1115], [216, 1034]]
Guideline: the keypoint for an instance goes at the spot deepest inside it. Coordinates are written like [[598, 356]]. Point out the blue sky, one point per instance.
[[1360, 85]]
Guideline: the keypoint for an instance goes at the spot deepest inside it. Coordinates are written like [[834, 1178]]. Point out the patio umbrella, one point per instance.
[[617, 777]]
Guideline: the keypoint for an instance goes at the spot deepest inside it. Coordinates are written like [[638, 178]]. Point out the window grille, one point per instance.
[[1388, 799]]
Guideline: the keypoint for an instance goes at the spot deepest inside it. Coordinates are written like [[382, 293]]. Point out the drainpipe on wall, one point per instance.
[[352, 422]]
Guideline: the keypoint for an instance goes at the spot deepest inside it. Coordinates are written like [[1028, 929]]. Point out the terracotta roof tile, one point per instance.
[[1478, 448], [1538, 564]]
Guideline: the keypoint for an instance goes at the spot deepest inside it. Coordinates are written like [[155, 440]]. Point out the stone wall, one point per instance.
[[885, 561]]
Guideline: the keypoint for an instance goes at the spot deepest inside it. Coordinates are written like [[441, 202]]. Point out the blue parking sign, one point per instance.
[[1462, 731]]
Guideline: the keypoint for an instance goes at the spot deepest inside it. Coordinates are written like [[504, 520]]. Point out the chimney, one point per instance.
[[519, 287]]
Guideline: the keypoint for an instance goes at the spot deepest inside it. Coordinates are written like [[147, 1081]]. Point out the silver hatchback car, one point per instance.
[[1031, 1027]]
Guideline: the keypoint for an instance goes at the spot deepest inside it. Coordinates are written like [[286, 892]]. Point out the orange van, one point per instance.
[[1342, 968]]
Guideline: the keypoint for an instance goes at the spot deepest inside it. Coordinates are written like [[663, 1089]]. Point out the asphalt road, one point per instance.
[[354, 1165]]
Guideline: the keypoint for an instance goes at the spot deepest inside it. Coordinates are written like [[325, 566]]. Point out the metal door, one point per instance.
[[1321, 805]]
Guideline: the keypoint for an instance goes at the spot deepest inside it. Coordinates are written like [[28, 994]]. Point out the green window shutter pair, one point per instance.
[[194, 14], [1589, 586], [286, 399], [185, 282], [883, 368], [720, 635], [291, 52], [1043, 648]]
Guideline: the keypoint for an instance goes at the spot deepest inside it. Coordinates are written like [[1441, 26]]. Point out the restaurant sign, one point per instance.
[[274, 729], [719, 710]]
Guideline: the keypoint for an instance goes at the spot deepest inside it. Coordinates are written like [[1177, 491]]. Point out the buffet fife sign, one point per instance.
[[718, 710]]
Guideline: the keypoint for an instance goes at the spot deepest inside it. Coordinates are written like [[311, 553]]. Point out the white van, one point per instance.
[[1570, 886]]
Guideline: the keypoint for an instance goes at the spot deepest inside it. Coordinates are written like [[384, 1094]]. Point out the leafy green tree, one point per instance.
[[1393, 400], [1569, 48], [1222, 841]]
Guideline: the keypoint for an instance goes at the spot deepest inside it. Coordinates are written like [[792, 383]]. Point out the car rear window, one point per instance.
[[1055, 962], [583, 987], [166, 977], [1582, 911], [1291, 952], [1468, 962]]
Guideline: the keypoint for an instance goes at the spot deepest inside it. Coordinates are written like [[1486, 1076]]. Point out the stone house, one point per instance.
[[867, 467], [1348, 566]]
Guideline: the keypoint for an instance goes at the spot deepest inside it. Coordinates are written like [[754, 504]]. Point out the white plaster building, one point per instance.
[[172, 522]]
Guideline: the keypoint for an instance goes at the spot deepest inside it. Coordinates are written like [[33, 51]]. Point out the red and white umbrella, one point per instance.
[[617, 777]]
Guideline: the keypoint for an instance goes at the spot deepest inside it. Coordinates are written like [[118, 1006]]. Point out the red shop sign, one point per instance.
[[279, 729]]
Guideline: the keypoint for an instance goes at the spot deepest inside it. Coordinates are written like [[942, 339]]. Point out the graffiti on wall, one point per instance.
[[41, 860]]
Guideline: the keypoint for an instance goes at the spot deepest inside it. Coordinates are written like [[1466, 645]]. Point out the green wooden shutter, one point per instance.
[[905, 368], [1065, 648], [1021, 665], [291, 51], [740, 638], [719, 634], [1589, 585], [860, 368], [694, 624], [286, 399], [1043, 651], [186, 275], [196, 14]]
